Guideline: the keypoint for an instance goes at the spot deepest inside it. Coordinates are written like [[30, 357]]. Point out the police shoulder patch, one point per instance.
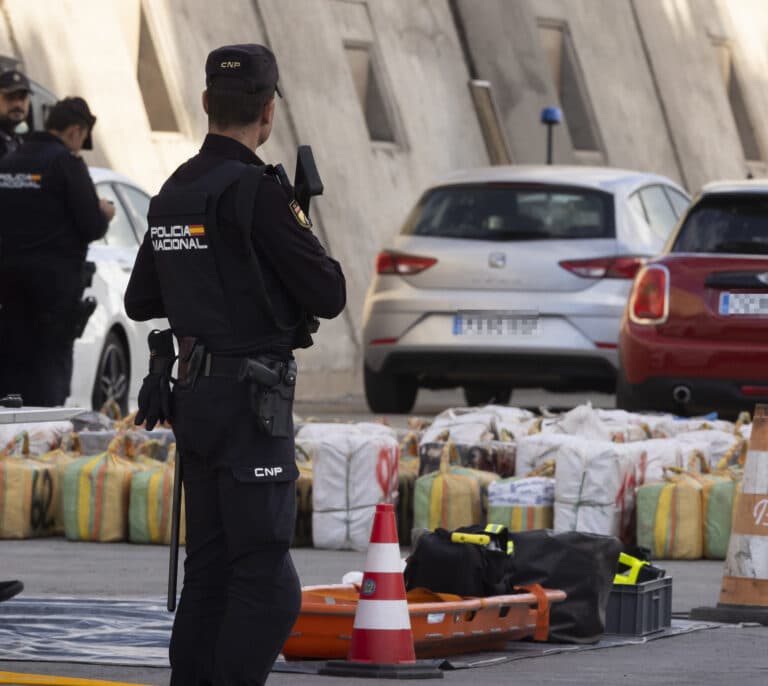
[[302, 219]]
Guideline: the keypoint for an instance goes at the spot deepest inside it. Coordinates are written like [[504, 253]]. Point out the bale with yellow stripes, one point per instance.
[[58, 459], [28, 492], [96, 498], [451, 497], [669, 518], [151, 505]]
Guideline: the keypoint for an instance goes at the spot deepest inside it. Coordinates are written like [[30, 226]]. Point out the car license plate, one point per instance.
[[497, 324], [745, 304]]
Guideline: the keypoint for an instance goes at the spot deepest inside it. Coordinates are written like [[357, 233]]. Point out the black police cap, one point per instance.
[[248, 67], [13, 81]]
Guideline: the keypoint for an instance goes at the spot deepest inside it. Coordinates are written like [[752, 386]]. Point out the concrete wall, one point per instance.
[[648, 69]]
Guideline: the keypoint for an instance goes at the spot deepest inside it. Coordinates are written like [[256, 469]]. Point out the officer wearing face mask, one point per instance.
[[14, 108], [50, 214]]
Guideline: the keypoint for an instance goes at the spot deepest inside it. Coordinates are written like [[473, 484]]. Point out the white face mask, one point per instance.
[[21, 128]]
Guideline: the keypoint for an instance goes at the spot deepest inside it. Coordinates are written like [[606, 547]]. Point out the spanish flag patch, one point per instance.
[[298, 213], [196, 230]]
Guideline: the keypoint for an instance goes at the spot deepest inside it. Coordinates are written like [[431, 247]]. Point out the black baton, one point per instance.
[[173, 562]]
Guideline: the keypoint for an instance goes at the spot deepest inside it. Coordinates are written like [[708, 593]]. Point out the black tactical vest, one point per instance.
[[211, 283], [36, 218]]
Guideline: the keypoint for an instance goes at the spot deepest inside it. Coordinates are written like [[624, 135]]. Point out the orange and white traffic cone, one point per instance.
[[744, 589], [382, 641]]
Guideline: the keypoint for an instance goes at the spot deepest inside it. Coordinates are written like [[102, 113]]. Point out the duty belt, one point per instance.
[[224, 366]]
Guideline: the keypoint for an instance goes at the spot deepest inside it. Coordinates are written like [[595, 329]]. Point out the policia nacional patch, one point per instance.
[[303, 220]]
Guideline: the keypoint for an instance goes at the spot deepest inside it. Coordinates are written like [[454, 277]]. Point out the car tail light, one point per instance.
[[649, 302], [623, 267], [388, 262], [758, 391]]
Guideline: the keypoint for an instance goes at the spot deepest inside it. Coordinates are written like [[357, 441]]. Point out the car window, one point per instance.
[[510, 212], [726, 224], [137, 204], [119, 233], [679, 201], [637, 206], [658, 210]]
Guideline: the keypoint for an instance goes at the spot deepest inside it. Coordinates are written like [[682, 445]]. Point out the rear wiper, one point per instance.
[[512, 235], [744, 247]]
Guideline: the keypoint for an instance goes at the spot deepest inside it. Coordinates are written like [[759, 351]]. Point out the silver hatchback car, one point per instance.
[[511, 277]]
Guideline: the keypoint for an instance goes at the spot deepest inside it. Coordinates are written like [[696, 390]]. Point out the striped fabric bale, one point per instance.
[[669, 518], [151, 505], [718, 500], [447, 500], [28, 491], [522, 504], [59, 459], [451, 497], [96, 497]]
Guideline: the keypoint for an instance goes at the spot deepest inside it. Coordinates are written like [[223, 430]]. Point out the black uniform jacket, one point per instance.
[[215, 418], [293, 262], [9, 142], [48, 202]]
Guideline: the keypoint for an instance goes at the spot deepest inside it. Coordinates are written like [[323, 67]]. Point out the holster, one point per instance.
[[83, 311], [191, 357], [273, 384]]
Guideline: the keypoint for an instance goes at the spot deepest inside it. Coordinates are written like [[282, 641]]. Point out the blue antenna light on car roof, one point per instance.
[[551, 116]]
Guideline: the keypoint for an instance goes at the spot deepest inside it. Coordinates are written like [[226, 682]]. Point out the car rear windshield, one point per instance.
[[726, 224], [512, 213]]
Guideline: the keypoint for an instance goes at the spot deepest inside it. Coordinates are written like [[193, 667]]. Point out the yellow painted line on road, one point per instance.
[[47, 680]]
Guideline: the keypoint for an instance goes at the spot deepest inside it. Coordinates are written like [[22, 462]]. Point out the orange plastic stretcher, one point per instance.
[[441, 624]]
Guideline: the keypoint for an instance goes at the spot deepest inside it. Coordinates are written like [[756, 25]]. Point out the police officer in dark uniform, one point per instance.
[[50, 214], [230, 259], [14, 108]]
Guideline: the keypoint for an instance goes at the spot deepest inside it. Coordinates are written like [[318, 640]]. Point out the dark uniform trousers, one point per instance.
[[241, 593], [39, 297]]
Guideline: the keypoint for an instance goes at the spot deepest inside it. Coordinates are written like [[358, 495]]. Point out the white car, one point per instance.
[[511, 277], [111, 356]]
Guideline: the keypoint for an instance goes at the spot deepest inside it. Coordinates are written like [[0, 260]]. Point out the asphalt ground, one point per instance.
[[728, 654]]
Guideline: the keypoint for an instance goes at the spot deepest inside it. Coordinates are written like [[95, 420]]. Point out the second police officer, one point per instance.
[[230, 259]]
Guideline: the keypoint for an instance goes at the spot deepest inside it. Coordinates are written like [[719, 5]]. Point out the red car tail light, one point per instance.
[[388, 262], [649, 302], [623, 267]]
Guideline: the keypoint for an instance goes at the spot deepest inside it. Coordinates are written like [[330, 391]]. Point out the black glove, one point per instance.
[[155, 392]]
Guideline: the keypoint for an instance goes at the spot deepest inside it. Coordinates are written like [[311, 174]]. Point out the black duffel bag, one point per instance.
[[581, 564], [464, 569]]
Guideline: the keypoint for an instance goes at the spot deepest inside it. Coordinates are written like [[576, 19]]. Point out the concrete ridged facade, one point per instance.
[[649, 80]]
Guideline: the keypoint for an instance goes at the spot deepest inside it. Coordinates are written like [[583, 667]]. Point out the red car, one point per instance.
[[694, 336]]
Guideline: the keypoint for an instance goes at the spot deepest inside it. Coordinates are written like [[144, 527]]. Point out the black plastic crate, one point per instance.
[[639, 609]]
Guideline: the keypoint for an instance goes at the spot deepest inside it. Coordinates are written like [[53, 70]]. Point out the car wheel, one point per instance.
[[487, 395], [112, 376], [391, 393]]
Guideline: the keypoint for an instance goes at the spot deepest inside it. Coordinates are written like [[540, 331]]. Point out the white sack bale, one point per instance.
[[716, 446], [461, 425], [654, 456], [595, 489], [32, 439], [534, 450], [352, 472], [319, 430], [671, 427]]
